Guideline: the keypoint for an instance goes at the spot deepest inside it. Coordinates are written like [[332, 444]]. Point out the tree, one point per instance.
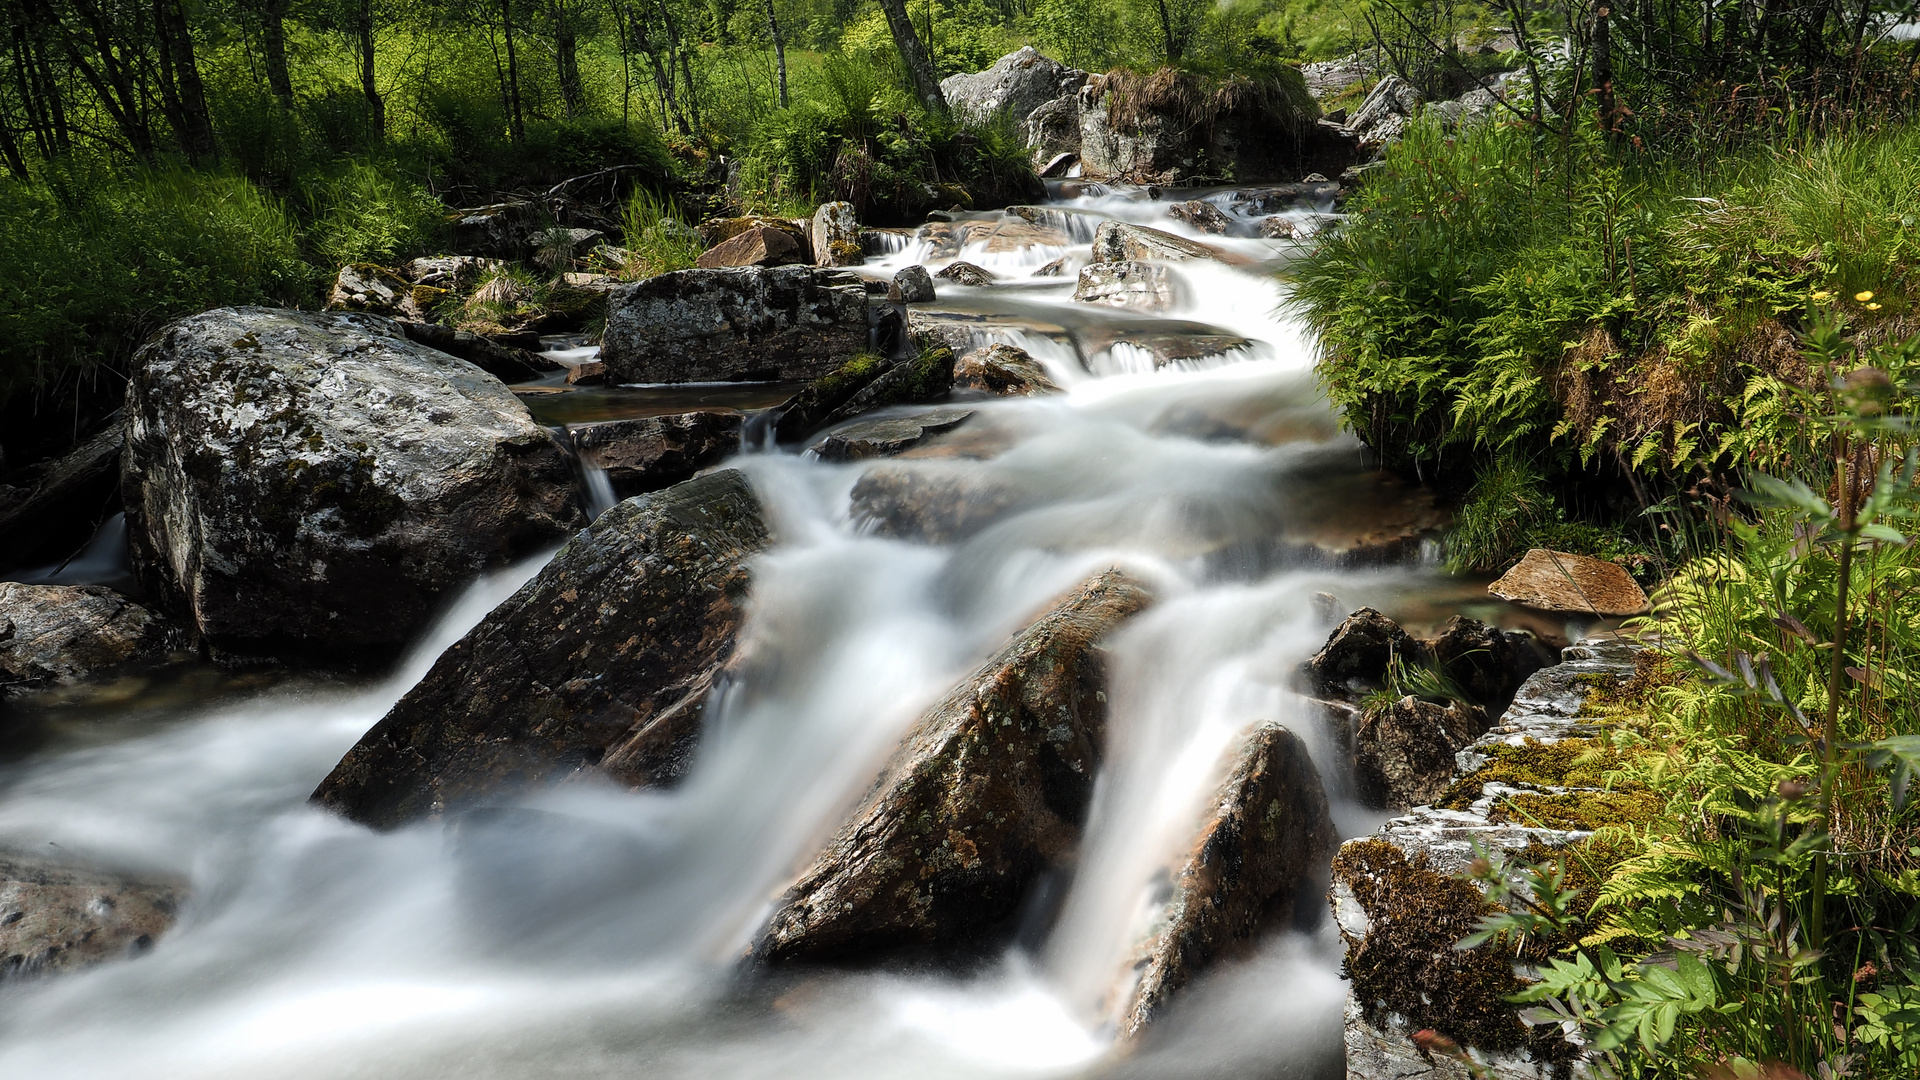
[[919, 65]]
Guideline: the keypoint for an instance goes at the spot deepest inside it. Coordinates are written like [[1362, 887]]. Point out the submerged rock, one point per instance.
[[911, 285], [757, 245], [785, 323], [314, 484], [602, 662], [66, 633], [989, 789], [933, 505], [1003, 369], [1141, 286], [1571, 584], [61, 916], [1263, 844], [884, 438], [653, 452]]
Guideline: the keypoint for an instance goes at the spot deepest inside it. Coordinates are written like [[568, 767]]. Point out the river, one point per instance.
[[593, 932]]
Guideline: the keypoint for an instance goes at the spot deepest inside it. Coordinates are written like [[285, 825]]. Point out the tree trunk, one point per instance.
[[1603, 71], [1166, 32], [273, 33], [914, 54], [112, 79], [369, 88], [514, 118], [566, 54], [779, 52], [182, 94]]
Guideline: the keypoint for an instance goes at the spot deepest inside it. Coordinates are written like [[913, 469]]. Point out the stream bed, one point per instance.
[[590, 931]]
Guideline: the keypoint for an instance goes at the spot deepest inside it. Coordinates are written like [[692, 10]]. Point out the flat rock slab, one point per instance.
[[58, 916], [1571, 584], [601, 662], [314, 484], [65, 633], [886, 437], [1266, 838], [786, 323], [988, 789]]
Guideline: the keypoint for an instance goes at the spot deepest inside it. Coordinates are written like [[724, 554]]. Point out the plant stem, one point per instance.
[[1830, 736]]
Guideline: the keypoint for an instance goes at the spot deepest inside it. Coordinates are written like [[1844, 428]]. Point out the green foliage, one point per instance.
[[367, 214], [657, 241]]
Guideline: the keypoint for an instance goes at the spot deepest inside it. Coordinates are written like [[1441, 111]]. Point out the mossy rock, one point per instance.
[[1567, 763]]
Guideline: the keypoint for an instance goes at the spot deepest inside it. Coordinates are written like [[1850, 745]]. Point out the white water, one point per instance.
[[595, 932]]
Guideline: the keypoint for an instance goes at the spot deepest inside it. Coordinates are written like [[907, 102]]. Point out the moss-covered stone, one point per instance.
[[1567, 763], [1582, 810]]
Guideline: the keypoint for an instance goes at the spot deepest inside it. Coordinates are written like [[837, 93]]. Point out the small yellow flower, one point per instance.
[[1822, 295], [1863, 297], [1873, 307]]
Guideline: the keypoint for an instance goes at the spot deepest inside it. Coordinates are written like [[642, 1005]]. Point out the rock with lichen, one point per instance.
[[57, 634], [316, 484], [59, 915], [989, 789]]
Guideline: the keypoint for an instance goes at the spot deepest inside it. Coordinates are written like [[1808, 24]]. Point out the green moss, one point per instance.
[[1651, 671], [1568, 763], [1585, 810]]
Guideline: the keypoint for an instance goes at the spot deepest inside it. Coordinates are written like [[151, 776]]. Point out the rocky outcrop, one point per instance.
[[863, 385], [375, 289], [786, 323], [67, 633], [1403, 753], [1401, 908], [835, 235], [58, 916], [1139, 286], [1262, 846], [47, 511], [1016, 84], [1003, 369], [886, 437], [315, 484], [1571, 584], [601, 663], [1117, 241], [757, 245], [988, 789], [911, 285], [654, 452]]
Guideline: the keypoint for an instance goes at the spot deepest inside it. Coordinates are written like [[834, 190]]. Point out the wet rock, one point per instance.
[[835, 236], [1277, 198], [1056, 165], [1278, 228], [1117, 241], [376, 289], [810, 409], [600, 664], [786, 323], [1489, 664], [754, 246], [1002, 369], [313, 484], [588, 373], [965, 273], [1262, 846], [1356, 656], [653, 452], [1570, 584], [1016, 84], [1403, 753], [1202, 215], [937, 506], [1141, 286], [67, 633], [58, 916], [989, 789], [911, 285], [503, 363], [1056, 268], [48, 511], [865, 384], [886, 437], [1015, 235]]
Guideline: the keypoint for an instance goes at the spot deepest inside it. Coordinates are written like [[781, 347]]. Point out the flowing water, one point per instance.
[[591, 932]]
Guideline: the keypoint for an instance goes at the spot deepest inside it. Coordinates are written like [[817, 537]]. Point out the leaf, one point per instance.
[[1795, 627], [1884, 533]]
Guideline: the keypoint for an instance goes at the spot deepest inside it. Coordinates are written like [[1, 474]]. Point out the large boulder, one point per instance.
[[785, 323], [301, 483], [1140, 286], [1053, 133], [1403, 753], [67, 633], [1571, 585], [47, 511], [911, 285], [1118, 241], [601, 663], [653, 452], [58, 916], [989, 789], [1016, 84], [1264, 841]]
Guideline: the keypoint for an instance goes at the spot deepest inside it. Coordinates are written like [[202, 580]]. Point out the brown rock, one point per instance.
[[57, 916], [589, 373], [1201, 215], [653, 452], [965, 273], [66, 633], [1404, 753], [602, 662], [755, 246], [1265, 843], [1488, 663], [1570, 584], [1357, 654], [1056, 268], [989, 788], [1002, 369], [716, 231]]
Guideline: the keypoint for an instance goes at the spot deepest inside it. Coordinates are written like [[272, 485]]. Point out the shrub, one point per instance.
[[367, 214]]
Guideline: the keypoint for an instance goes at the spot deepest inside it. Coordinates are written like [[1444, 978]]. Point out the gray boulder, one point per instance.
[[989, 789], [1141, 286], [654, 452], [602, 663], [965, 273], [784, 323], [1053, 134], [53, 634], [911, 285], [1017, 83], [1202, 215], [315, 484], [887, 436], [58, 916], [1117, 241]]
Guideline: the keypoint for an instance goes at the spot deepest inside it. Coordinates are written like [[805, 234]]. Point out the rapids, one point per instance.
[[592, 932]]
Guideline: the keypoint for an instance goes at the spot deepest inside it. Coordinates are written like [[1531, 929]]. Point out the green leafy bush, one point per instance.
[[368, 214]]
